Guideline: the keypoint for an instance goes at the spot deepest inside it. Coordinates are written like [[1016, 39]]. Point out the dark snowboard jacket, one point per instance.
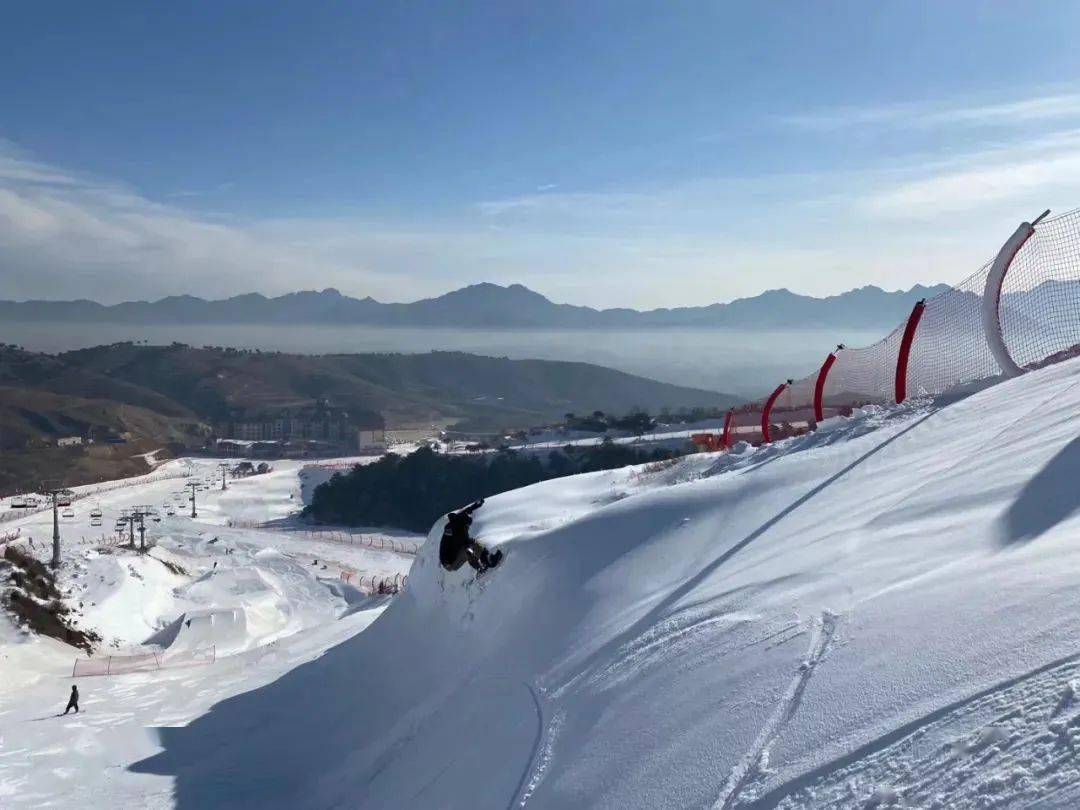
[[455, 538]]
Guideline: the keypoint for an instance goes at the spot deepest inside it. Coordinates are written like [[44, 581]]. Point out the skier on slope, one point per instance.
[[73, 701], [458, 548]]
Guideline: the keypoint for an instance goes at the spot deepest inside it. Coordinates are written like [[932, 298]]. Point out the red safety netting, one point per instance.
[[1039, 317]]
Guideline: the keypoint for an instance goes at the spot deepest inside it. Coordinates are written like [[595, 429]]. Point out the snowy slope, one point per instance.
[[244, 559], [244, 550], [878, 613]]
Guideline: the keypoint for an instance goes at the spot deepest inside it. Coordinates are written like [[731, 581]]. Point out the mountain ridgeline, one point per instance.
[[490, 306]]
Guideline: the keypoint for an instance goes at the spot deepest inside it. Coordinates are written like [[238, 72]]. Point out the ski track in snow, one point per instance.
[[664, 641], [756, 761], [1016, 744], [544, 756]]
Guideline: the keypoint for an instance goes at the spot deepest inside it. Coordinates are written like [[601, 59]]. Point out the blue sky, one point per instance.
[[608, 153]]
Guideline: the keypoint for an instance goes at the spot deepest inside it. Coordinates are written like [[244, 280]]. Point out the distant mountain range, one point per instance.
[[489, 306]]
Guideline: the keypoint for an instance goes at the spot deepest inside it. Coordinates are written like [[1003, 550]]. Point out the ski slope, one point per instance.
[[244, 550], [242, 590], [880, 613]]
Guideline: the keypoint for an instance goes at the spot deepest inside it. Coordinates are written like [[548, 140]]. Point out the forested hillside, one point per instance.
[[402, 389]]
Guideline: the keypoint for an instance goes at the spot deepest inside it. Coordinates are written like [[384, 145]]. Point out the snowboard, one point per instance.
[[493, 561]]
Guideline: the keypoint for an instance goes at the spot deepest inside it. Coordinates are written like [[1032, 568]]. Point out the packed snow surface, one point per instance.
[[878, 614], [223, 603]]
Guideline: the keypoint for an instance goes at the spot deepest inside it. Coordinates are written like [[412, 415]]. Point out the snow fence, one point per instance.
[[142, 662], [377, 542], [374, 584], [1018, 312]]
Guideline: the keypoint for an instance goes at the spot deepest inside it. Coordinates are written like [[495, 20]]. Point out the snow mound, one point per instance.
[[223, 629], [879, 614]]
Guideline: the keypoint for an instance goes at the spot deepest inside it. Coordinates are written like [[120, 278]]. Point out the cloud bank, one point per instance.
[[925, 217]]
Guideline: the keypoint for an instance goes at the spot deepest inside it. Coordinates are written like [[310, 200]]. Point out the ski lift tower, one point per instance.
[[224, 467], [135, 518], [194, 485], [139, 514], [60, 495], [127, 516]]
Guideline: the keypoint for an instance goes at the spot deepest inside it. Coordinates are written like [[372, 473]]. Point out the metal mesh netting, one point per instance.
[[1039, 314], [799, 395], [746, 423], [1039, 307], [862, 375], [950, 347]]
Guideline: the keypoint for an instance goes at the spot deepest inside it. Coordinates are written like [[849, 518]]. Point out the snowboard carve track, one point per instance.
[[541, 758], [757, 757], [660, 641], [1033, 707]]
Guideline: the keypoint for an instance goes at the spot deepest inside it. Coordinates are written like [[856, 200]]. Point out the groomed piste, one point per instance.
[[883, 611]]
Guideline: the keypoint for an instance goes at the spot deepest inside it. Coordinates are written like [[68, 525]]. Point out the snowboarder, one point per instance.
[[458, 548], [73, 701]]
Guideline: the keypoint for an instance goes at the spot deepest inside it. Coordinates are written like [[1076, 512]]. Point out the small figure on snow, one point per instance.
[[73, 701], [458, 548]]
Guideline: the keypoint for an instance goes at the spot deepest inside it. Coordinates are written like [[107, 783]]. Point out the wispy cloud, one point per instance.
[[566, 204], [941, 113], [66, 234], [18, 167], [220, 188], [1033, 173], [925, 217]]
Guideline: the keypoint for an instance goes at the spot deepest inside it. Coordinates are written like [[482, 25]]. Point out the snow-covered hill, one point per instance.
[[238, 596], [878, 613], [881, 613]]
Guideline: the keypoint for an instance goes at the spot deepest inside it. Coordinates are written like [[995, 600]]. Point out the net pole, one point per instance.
[[991, 313], [905, 350], [766, 435], [819, 388]]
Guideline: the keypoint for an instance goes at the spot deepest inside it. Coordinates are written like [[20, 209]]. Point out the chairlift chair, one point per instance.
[[68, 513]]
